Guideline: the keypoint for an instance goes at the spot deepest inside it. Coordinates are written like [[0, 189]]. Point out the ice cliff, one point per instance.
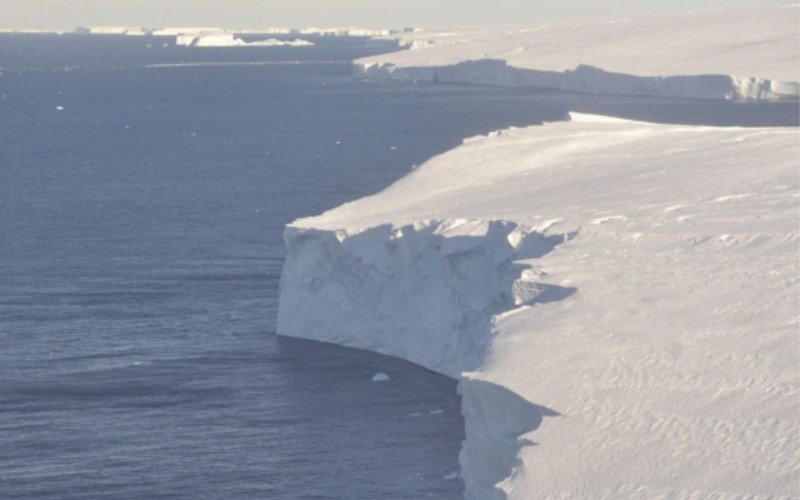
[[617, 299], [586, 79], [743, 53], [425, 291]]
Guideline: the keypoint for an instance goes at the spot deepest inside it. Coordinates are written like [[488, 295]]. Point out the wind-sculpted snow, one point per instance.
[[617, 298], [496, 420], [745, 53]]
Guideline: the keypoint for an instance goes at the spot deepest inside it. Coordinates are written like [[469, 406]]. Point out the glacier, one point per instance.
[[740, 53], [616, 298]]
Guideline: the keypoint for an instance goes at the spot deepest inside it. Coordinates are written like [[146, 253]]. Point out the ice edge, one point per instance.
[[585, 79], [428, 292]]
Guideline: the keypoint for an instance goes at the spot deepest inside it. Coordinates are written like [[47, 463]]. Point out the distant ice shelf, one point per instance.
[[586, 79], [230, 40], [207, 30], [743, 53]]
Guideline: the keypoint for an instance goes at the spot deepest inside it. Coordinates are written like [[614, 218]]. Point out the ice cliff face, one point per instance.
[[425, 292], [428, 293], [586, 79]]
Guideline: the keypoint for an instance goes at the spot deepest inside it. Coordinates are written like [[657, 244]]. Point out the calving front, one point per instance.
[[612, 294]]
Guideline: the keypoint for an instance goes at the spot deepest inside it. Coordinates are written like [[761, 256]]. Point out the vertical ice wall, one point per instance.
[[426, 292]]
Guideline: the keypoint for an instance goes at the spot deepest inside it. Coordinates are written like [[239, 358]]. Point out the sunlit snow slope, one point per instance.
[[750, 52], [618, 298]]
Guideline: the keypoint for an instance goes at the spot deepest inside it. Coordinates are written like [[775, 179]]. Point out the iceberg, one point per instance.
[[185, 30], [272, 42], [229, 40], [111, 30]]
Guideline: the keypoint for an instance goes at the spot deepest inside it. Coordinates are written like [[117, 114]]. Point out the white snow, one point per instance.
[[229, 40], [748, 52], [380, 377], [633, 316]]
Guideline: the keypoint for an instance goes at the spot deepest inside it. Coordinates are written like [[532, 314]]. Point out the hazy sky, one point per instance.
[[65, 14]]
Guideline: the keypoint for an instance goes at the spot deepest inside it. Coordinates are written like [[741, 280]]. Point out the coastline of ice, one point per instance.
[[741, 53], [594, 331], [586, 79]]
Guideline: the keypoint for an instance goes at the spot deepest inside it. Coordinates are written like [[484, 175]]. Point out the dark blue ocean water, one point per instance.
[[140, 255]]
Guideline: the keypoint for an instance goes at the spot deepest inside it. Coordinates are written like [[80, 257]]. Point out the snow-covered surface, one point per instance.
[[229, 40], [621, 294], [750, 52]]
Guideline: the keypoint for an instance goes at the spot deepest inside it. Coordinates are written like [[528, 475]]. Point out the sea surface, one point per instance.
[[144, 188], [140, 255]]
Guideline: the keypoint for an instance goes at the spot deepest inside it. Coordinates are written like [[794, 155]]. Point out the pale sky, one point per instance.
[[66, 14]]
